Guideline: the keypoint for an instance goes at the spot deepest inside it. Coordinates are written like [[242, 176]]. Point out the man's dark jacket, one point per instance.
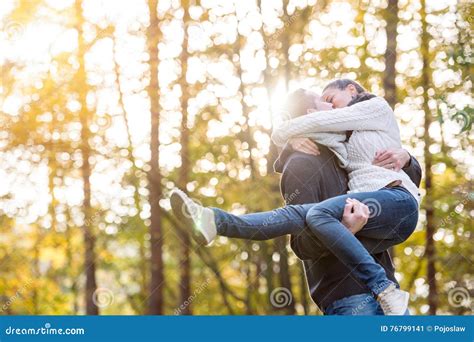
[[328, 278]]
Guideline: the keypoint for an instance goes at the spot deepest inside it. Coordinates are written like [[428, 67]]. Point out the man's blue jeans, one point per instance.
[[362, 304], [393, 218]]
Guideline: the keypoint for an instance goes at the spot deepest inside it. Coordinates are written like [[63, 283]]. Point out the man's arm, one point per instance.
[[413, 170], [283, 154], [304, 145]]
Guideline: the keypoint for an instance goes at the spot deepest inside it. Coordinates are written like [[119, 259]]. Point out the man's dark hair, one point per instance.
[[342, 83], [299, 102]]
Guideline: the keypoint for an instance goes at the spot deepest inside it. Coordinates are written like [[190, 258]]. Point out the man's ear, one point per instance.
[[352, 89]]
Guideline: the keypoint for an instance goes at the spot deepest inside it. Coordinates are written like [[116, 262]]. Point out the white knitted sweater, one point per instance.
[[374, 128], [334, 141]]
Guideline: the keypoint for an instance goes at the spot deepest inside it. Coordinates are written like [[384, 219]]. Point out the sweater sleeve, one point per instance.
[[413, 170], [366, 115]]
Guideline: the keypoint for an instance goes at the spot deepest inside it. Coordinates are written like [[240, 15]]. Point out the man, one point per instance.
[[310, 174]]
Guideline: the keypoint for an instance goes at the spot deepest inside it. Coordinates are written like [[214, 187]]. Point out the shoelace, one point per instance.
[[193, 208], [386, 306]]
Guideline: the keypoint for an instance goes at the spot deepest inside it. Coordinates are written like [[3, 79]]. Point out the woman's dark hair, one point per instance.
[[360, 97], [362, 94], [342, 84]]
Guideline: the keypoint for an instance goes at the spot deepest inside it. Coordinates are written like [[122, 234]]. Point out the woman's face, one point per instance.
[[339, 98]]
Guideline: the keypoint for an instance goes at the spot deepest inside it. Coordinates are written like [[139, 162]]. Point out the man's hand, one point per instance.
[[304, 145], [393, 159], [356, 215]]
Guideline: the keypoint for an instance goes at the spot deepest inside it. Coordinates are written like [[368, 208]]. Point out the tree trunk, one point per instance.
[[89, 237], [391, 17], [430, 225], [185, 261], [285, 277], [249, 290], [268, 82], [36, 271], [70, 261], [304, 289], [155, 304], [390, 14], [267, 251]]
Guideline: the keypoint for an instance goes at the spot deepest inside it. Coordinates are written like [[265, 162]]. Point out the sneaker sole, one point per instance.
[[407, 299], [179, 206]]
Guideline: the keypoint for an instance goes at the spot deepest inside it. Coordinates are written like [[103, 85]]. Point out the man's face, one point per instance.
[[318, 104], [339, 98]]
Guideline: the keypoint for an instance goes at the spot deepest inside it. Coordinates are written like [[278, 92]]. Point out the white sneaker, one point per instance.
[[393, 301], [196, 218]]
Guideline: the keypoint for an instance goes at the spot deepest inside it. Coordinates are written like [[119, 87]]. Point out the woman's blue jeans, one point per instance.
[[393, 217]]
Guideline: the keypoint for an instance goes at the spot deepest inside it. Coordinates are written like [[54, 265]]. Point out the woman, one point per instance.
[[392, 195]]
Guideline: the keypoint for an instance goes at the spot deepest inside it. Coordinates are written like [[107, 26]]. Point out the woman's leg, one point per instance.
[[205, 223], [264, 225], [392, 220], [392, 226]]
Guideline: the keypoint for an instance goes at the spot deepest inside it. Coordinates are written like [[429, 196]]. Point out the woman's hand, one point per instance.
[[304, 145], [355, 216], [393, 159]]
